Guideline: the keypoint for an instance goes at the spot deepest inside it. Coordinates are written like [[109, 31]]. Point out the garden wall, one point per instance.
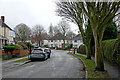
[[20, 52]]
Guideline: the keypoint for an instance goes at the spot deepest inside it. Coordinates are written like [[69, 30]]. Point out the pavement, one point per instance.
[[113, 71], [60, 65]]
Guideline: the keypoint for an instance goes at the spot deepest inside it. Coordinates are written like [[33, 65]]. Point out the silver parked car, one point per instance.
[[38, 54]]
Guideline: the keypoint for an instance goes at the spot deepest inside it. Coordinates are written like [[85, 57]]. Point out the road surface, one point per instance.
[[60, 65]]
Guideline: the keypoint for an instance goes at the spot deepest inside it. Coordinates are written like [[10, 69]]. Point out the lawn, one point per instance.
[[90, 66], [0, 59]]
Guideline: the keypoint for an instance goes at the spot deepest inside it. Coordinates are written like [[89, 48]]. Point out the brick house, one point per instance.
[[7, 35]]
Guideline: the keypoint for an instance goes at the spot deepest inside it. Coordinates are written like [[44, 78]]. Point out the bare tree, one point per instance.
[[38, 29], [100, 14], [117, 21], [64, 28], [56, 30], [22, 32], [37, 32], [72, 11], [51, 30], [70, 34]]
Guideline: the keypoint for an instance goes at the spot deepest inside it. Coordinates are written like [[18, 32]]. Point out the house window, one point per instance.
[[56, 45], [59, 46], [51, 45], [51, 40], [55, 40], [75, 46], [12, 33], [75, 41]]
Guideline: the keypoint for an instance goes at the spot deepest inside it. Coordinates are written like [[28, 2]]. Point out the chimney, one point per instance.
[[3, 19]]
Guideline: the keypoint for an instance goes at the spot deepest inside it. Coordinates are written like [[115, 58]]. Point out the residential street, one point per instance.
[[60, 65]]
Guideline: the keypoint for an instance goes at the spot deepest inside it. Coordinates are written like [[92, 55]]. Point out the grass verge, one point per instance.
[[90, 66], [22, 60], [0, 59], [12, 58]]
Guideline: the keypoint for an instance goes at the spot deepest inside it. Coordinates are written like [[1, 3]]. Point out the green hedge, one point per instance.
[[111, 49], [17, 46], [11, 48], [81, 49]]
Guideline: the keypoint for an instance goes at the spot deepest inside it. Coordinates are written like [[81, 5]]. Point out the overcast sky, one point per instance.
[[30, 12]]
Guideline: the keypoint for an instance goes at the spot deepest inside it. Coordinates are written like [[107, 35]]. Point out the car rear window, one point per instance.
[[37, 51]]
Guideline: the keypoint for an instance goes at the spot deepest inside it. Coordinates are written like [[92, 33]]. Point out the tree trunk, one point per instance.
[[64, 44], [88, 51], [99, 59]]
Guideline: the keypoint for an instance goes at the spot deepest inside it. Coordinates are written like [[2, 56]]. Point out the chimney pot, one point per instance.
[[3, 19]]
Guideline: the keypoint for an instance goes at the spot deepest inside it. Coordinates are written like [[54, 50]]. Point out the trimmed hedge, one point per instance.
[[111, 49], [17, 46], [81, 49]]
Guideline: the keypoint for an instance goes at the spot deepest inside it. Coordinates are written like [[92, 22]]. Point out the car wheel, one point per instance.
[[48, 56], [31, 59], [44, 58]]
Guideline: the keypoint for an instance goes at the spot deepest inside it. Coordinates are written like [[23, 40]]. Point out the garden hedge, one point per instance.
[[81, 49], [111, 50]]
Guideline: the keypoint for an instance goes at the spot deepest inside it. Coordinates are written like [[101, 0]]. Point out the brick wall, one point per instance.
[[119, 34], [0, 51], [22, 52]]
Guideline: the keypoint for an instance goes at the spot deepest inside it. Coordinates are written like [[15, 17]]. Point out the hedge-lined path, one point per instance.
[[113, 71]]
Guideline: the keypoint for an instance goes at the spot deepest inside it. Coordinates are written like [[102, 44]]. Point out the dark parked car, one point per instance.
[[48, 51], [38, 54]]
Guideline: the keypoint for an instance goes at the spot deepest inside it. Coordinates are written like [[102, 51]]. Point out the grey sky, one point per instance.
[[30, 12]]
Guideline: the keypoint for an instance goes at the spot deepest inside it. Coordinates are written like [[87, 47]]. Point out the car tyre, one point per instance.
[[48, 56]]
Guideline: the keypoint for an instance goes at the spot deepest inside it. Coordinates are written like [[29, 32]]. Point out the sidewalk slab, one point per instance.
[[113, 71], [10, 61]]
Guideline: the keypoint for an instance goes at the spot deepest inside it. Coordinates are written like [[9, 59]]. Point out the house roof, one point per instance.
[[59, 36], [4, 25], [77, 37], [45, 36]]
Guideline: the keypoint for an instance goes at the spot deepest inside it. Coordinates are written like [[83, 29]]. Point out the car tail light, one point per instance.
[[32, 52], [42, 53]]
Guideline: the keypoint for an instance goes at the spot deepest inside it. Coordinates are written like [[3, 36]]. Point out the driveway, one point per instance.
[[60, 65]]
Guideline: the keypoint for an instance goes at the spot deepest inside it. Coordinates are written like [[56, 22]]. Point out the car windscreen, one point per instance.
[[45, 50], [37, 51]]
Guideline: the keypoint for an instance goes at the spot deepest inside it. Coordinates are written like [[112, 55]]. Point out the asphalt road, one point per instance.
[[60, 65]]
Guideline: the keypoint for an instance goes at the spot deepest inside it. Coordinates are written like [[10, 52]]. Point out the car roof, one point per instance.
[[44, 48]]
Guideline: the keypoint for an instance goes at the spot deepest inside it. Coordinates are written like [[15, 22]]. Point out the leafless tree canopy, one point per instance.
[[22, 31], [38, 29], [64, 27]]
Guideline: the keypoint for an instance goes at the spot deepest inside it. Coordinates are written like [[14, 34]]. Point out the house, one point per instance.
[[76, 41], [7, 35], [57, 41], [40, 39]]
